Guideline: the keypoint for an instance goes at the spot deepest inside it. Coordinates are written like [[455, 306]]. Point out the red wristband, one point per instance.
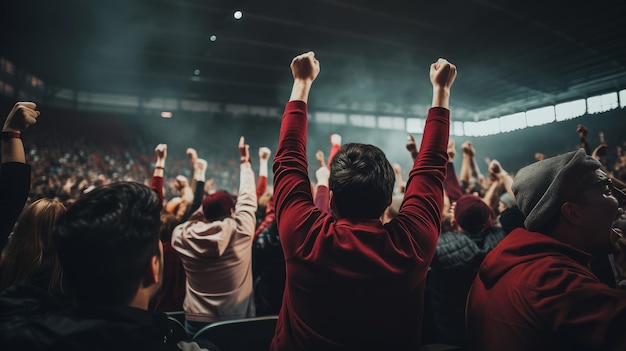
[[159, 167], [11, 135]]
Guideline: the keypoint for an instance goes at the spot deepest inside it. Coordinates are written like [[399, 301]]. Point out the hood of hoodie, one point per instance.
[[522, 246]]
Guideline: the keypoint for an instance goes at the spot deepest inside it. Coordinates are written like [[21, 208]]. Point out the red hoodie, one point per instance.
[[535, 293]]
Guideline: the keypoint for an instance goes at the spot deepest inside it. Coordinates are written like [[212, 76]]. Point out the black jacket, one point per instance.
[[33, 319]]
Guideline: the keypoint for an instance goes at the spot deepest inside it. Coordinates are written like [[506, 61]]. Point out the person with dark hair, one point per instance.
[[352, 282], [108, 246], [215, 246], [536, 290]]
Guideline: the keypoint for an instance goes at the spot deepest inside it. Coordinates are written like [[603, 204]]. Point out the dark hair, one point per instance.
[[105, 242], [362, 180]]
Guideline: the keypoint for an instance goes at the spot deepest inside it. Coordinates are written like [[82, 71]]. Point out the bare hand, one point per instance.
[[442, 74], [539, 156], [305, 67], [161, 151], [22, 116], [451, 150], [200, 165], [192, 154], [264, 153], [467, 148], [495, 167], [335, 139], [322, 174], [410, 144], [397, 169], [244, 150], [319, 156]]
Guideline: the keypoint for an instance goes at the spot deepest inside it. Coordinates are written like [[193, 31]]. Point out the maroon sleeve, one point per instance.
[[333, 151], [420, 213], [156, 184], [261, 186], [292, 188], [452, 185]]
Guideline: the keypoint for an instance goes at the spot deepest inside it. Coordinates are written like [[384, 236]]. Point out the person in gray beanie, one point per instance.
[[535, 289]]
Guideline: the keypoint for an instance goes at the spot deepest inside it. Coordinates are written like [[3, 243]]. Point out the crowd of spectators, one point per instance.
[[359, 257]]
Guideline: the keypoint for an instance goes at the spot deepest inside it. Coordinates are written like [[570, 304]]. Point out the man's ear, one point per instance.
[[153, 275], [572, 213], [390, 200]]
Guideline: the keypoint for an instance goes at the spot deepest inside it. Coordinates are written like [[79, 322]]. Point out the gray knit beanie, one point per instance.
[[537, 187]]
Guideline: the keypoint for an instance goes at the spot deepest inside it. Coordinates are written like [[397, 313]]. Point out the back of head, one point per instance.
[[472, 214], [31, 246], [539, 188], [105, 242], [362, 180], [217, 205]]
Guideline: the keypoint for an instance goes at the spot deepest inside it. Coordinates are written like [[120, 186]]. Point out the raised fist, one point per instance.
[[192, 154], [442, 74], [22, 116], [264, 153], [200, 165], [161, 151], [305, 67], [467, 148], [451, 150], [410, 144], [335, 139], [244, 150]]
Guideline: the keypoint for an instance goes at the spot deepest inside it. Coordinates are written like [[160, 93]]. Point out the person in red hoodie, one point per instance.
[[535, 290], [353, 283]]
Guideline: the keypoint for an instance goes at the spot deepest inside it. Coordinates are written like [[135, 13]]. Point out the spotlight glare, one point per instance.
[[238, 14], [212, 38], [196, 72]]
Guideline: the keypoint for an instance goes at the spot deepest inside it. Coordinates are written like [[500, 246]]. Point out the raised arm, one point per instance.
[[14, 172], [264, 157], [452, 185], [199, 178], [322, 195], [421, 209], [292, 188], [156, 183], [245, 208], [335, 145]]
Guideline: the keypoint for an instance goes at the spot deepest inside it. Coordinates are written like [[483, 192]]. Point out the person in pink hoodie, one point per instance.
[[215, 246]]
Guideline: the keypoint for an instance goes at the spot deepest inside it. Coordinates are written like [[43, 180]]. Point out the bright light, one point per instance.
[[415, 125], [489, 127], [540, 116], [166, 114], [238, 14], [196, 72], [569, 110], [622, 98], [512, 122], [213, 38], [602, 103], [471, 128], [458, 128]]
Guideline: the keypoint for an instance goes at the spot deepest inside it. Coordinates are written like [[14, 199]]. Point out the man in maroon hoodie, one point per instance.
[[535, 290], [352, 282]]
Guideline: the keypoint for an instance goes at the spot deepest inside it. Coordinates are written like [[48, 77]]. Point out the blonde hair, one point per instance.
[[30, 248]]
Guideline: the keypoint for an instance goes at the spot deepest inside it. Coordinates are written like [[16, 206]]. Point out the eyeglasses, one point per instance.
[[607, 183], [609, 190]]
